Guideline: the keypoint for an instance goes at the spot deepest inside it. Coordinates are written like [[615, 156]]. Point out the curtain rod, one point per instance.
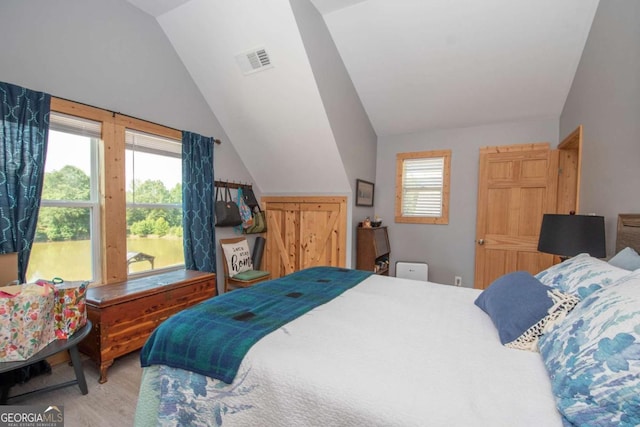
[[217, 141]]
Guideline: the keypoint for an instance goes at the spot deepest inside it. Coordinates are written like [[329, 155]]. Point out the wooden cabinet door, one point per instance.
[[304, 232], [319, 235], [282, 238], [516, 186]]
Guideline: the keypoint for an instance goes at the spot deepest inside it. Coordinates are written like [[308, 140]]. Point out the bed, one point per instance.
[[398, 352]]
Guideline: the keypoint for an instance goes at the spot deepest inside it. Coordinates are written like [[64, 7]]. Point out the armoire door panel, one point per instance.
[[318, 227], [279, 258]]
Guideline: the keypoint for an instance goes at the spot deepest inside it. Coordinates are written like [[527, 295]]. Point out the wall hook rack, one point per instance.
[[231, 184]]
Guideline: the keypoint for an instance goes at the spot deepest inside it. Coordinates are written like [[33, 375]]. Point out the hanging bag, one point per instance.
[[250, 198], [227, 212], [259, 222], [245, 211]]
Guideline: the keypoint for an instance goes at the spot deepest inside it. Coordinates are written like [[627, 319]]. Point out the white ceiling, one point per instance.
[[420, 64], [416, 65]]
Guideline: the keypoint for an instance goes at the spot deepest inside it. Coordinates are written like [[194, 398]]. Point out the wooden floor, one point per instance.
[[109, 404]]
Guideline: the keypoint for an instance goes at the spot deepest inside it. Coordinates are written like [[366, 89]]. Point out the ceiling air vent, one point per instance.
[[254, 60]]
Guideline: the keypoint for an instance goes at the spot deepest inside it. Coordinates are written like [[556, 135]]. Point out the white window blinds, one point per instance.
[[75, 125], [153, 144], [422, 187]]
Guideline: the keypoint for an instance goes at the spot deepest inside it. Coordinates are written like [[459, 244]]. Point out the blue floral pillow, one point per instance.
[[581, 275], [593, 357]]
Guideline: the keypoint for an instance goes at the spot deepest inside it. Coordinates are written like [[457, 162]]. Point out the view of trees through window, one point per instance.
[[57, 223], [60, 229], [155, 231], [160, 222], [154, 201], [71, 183], [69, 214]]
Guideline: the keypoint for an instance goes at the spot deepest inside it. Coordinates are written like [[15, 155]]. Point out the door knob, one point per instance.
[[481, 242]]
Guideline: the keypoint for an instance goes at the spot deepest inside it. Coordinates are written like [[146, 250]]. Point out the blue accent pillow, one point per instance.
[[520, 307], [627, 259]]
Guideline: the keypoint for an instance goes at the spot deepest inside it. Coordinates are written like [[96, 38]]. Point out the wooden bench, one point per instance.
[[124, 314]]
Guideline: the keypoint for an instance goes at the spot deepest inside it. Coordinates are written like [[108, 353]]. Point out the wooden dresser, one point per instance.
[[124, 314]]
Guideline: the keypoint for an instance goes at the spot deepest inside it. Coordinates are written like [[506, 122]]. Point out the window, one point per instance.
[[154, 202], [67, 240], [422, 187], [108, 177]]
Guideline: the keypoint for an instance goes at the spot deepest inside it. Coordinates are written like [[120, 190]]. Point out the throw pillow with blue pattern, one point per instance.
[[581, 275], [593, 357]]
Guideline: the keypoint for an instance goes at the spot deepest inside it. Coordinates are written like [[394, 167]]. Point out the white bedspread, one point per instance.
[[389, 352]]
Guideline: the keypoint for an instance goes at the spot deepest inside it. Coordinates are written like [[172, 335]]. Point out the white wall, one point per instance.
[[275, 116], [448, 249], [605, 99], [352, 131], [111, 55]]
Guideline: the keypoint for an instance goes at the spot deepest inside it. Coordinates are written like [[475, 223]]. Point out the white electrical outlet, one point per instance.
[[457, 281]]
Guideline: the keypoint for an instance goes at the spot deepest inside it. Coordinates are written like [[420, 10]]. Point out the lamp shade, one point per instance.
[[570, 235]]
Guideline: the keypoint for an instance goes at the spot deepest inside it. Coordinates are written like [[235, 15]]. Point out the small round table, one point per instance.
[[54, 347]]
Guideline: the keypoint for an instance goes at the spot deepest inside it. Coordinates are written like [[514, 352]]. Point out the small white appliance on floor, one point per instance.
[[412, 270]]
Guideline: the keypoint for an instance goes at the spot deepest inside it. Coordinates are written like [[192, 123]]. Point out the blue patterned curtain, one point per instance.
[[24, 128], [197, 202]]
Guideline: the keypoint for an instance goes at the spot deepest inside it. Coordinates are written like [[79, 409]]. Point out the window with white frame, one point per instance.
[[67, 240], [154, 202], [422, 187]]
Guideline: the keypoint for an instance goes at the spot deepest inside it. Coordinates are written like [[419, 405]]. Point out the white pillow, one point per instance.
[[627, 259], [581, 275], [238, 257]]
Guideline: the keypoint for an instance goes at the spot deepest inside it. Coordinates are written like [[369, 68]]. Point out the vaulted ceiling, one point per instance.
[[424, 64], [416, 65]]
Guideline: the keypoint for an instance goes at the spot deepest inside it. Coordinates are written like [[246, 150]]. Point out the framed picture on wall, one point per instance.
[[364, 193]]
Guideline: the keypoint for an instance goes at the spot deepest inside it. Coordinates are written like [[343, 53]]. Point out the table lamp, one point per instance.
[[570, 235]]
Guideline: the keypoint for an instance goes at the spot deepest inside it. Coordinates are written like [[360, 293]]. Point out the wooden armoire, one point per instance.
[[304, 232]]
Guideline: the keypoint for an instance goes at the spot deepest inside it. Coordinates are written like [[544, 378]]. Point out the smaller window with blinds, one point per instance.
[[422, 187]]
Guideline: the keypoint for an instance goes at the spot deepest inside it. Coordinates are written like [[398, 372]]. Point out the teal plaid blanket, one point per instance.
[[213, 337]]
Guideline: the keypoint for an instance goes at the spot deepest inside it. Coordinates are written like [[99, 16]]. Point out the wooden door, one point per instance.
[[304, 232], [517, 185]]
